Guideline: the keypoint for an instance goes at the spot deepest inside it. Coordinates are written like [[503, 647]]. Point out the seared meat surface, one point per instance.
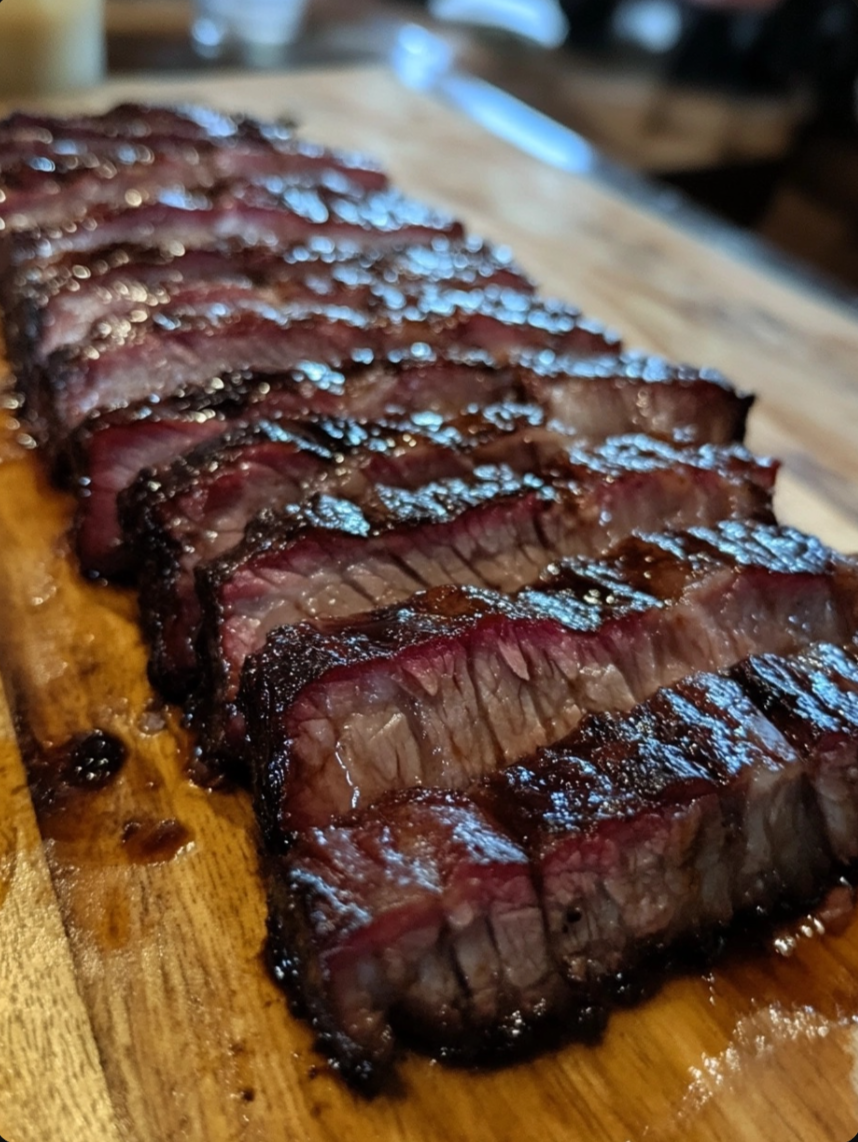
[[592, 398], [531, 687], [330, 556], [449, 938], [143, 122], [107, 452], [46, 184], [458, 682], [58, 306], [198, 507], [175, 348], [275, 210], [471, 920]]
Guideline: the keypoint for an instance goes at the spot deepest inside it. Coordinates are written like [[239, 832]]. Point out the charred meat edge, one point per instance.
[[330, 556], [458, 682], [480, 922], [592, 398]]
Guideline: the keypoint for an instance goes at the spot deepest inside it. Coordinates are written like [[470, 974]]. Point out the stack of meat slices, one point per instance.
[[494, 616]]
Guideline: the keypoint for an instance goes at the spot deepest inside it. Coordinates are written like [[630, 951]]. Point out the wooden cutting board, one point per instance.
[[135, 1006]]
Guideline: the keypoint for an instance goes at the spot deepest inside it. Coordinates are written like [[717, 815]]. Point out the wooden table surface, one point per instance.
[[134, 1004]]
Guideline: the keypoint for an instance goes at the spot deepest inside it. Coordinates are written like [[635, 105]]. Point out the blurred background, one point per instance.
[[749, 106]]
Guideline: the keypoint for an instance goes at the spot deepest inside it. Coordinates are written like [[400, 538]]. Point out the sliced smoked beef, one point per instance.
[[174, 347], [331, 557], [197, 507], [459, 682], [424, 916], [144, 122], [49, 190], [108, 451], [278, 211], [471, 921], [50, 175], [597, 398], [647, 393], [812, 699], [60, 309], [167, 275]]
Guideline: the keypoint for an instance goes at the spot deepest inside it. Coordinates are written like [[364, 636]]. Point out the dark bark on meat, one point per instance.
[[197, 508], [107, 452], [174, 347], [573, 873], [332, 557], [61, 305], [605, 397], [459, 682]]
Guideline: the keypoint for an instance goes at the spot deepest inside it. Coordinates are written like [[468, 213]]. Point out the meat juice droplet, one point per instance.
[[61, 775], [92, 759], [86, 761], [153, 842]]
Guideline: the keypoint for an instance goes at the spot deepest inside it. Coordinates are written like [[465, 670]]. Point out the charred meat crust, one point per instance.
[[637, 834], [593, 398], [173, 347], [330, 556], [141, 122], [54, 170], [107, 452], [459, 682], [197, 507], [58, 305], [169, 274], [443, 860], [47, 189], [278, 210]]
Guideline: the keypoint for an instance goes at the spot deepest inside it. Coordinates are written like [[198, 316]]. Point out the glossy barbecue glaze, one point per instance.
[[144, 122], [274, 210], [332, 556], [470, 921], [505, 975], [593, 398], [197, 507], [108, 451], [458, 682], [177, 346], [57, 306], [52, 173]]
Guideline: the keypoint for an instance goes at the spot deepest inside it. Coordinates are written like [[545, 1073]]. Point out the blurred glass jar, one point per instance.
[[258, 30], [50, 46]]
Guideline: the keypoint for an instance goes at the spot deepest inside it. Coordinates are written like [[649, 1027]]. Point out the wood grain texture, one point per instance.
[[49, 1065], [147, 1011]]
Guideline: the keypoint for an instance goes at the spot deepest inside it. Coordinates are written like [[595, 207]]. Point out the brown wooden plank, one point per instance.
[[50, 1074], [194, 1039]]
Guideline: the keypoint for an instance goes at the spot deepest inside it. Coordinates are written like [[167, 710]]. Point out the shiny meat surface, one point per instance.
[[599, 856], [59, 306], [274, 210], [52, 172], [607, 396], [459, 682], [198, 507], [330, 557], [492, 792], [107, 451], [437, 899], [235, 325], [648, 392], [143, 122]]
